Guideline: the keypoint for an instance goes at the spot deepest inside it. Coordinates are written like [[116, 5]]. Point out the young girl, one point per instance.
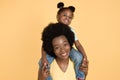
[[65, 16], [57, 42]]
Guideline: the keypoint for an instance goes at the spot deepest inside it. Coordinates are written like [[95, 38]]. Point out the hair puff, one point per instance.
[[72, 8], [60, 5]]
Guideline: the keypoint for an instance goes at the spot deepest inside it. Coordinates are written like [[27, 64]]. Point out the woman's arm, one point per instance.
[[44, 59], [40, 75], [43, 72]]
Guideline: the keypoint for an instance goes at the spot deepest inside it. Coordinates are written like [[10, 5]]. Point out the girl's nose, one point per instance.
[[67, 17]]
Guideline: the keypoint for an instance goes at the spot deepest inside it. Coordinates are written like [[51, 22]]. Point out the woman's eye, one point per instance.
[[65, 44], [56, 48]]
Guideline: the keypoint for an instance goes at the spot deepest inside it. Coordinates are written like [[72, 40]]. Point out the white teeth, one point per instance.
[[64, 54], [66, 21]]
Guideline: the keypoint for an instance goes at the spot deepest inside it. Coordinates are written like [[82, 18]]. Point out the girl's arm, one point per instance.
[[84, 66], [78, 45], [80, 48]]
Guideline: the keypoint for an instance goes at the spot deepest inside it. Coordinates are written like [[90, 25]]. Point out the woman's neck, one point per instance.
[[63, 63]]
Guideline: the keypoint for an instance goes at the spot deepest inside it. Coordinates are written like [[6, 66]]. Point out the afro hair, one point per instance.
[[52, 31]]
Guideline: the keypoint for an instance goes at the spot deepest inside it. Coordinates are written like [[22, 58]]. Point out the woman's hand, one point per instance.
[[84, 66], [43, 72], [44, 60]]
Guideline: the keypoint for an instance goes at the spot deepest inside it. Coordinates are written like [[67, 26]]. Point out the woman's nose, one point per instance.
[[62, 49]]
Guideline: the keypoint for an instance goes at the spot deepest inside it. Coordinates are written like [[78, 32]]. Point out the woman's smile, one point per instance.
[[61, 47]]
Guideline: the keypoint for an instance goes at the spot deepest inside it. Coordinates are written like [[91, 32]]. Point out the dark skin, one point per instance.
[[66, 18], [84, 66], [43, 73], [61, 49]]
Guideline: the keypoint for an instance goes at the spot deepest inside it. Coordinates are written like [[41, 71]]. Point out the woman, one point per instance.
[[58, 40]]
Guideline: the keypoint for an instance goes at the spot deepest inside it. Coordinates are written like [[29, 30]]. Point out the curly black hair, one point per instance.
[[52, 31], [61, 7]]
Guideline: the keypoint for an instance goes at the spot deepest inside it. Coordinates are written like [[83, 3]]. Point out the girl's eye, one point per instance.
[[64, 15], [70, 17]]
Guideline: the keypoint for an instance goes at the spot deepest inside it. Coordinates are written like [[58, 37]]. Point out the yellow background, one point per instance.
[[97, 23]]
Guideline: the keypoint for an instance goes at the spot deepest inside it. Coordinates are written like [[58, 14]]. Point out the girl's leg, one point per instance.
[[77, 57], [49, 78], [50, 60]]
